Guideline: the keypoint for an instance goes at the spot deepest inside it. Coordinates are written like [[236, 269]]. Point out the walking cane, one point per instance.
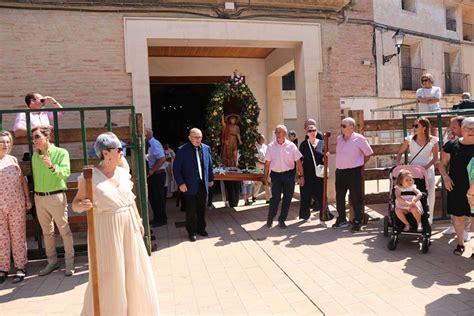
[[325, 179], [94, 271]]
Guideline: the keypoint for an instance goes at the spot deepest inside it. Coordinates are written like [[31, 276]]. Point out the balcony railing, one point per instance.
[[451, 24], [411, 77], [456, 83], [468, 32]]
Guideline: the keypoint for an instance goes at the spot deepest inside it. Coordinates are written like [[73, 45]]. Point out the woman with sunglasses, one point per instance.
[[127, 285], [457, 171], [428, 96], [312, 150], [14, 200], [423, 150]]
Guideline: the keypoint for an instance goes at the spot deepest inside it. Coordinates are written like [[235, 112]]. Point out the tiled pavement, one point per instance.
[[246, 268]]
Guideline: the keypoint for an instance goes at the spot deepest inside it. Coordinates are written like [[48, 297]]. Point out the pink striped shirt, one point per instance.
[[350, 153], [282, 157]]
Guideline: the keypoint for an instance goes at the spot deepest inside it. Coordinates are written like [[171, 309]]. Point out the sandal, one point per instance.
[[459, 250], [406, 228], [19, 276], [3, 276]]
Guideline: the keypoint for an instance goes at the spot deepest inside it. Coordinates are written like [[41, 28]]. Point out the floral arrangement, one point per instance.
[[234, 88]]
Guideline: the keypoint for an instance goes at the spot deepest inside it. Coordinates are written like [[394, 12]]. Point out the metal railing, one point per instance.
[[468, 32], [451, 24], [136, 145], [456, 82], [411, 77]]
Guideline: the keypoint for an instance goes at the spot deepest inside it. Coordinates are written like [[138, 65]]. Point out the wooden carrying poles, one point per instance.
[[93, 269], [324, 204]]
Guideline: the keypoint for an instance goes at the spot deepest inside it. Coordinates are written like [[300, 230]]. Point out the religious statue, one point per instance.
[[230, 140]]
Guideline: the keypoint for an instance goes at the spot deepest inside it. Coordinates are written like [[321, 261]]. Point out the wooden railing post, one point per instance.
[[93, 268]]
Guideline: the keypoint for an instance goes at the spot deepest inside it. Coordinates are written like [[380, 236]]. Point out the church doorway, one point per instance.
[[176, 108]]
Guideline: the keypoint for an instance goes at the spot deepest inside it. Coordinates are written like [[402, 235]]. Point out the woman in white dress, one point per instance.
[[170, 182], [424, 151], [126, 282]]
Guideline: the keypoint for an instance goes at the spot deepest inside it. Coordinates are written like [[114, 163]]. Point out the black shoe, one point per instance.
[[355, 227], [269, 223], [340, 224], [153, 238], [267, 202], [3, 276], [254, 199], [329, 216], [203, 233], [282, 224], [192, 237]]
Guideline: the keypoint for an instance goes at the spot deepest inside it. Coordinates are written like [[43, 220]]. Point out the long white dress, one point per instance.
[[126, 281]]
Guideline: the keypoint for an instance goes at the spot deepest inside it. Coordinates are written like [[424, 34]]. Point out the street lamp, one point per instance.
[[398, 41]]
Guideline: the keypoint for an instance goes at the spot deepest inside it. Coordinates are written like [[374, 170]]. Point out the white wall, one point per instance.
[[252, 69]]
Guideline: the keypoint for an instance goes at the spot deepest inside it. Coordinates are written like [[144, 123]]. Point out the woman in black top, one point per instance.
[[309, 148], [456, 156]]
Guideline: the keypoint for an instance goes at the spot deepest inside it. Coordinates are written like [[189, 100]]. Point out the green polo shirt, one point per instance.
[[45, 180]]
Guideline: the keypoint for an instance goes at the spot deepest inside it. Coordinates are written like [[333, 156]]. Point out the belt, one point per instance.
[[287, 171], [49, 193]]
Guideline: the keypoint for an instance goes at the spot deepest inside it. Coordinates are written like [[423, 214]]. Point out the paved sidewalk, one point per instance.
[[245, 268]]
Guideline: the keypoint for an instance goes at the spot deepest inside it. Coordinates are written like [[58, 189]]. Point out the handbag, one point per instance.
[[319, 169]]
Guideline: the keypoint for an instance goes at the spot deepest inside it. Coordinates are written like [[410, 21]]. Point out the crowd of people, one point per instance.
[[122, 255]]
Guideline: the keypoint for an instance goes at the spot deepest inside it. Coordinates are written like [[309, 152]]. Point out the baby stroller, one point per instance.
[[392, 223]]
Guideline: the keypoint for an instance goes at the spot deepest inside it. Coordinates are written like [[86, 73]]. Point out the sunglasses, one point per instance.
[[119, 149], [424, 80], [343, 125], [311, 131], [415, 125]]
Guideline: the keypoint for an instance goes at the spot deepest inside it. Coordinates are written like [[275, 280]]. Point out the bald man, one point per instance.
[[192, 170]]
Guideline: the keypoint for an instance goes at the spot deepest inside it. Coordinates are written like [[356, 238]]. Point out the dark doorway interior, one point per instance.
[[176, 108]]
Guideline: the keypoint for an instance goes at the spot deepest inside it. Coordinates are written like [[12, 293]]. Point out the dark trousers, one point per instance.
[[313, 188], [196, 210], [157, 196], [283, 182], [349, 179]]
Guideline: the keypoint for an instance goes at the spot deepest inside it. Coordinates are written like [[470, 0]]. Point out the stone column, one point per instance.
[[274, 104]]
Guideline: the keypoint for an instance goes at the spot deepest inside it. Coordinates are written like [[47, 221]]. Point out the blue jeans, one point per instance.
[[282, 182]]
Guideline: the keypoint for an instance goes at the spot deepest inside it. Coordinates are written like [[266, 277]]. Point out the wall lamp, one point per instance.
[[398, 41]]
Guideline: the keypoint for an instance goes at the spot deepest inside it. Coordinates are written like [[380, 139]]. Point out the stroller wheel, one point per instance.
[[385, 226], [425, 245], [392, 244]]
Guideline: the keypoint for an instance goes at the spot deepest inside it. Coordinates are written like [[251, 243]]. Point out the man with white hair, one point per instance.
[[352, 152], [465, 103], [280, 159]]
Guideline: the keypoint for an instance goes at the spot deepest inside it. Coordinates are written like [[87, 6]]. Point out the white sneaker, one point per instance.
[[466, 236], [449, 231]]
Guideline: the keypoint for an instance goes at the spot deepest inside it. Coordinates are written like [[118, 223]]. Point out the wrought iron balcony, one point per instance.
[[411, 77], [456, 82]]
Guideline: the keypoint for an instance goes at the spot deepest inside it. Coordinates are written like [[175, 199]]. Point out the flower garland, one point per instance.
[[250, 110]]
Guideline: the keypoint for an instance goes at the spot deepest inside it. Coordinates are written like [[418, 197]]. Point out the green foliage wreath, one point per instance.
[[248, 123]]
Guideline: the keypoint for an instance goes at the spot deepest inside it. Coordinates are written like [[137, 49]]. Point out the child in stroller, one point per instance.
[[407, 200], [407, 221]]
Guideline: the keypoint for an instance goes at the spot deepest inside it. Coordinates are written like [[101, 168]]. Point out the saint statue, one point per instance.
[[230, 140]]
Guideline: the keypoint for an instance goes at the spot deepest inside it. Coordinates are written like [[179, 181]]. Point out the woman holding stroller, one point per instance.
[[423, 152], [454, 168]]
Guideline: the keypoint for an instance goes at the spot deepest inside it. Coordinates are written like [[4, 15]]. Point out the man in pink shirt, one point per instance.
[[35, 101], [280, 159], [352, 152]]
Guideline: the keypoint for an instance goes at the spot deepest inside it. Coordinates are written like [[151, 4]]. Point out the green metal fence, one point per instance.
[[137, 162], [439, 126]]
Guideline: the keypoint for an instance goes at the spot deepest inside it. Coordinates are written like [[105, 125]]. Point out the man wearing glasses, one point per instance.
[[51, 169], [280, 159], [352, 152], [35, 101]]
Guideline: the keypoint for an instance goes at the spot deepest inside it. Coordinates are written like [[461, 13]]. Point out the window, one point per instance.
[[451, 19], [408, 5], [288, 81]]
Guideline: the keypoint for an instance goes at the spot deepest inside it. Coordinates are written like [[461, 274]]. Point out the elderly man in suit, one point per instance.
[[193, 173]]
